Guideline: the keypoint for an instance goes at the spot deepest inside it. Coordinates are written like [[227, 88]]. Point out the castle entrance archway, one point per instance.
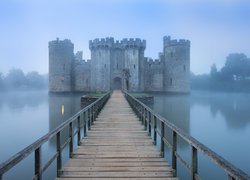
[[117, 83]]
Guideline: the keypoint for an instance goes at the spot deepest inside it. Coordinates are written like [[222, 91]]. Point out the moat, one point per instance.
[[219, 122]]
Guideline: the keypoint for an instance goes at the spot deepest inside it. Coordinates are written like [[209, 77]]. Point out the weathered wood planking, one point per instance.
[[117, 147]]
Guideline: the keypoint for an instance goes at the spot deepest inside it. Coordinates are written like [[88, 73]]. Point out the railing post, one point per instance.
[[155, 134], [59, 153], [38, 162], [174, 148], [142, 114], [89, 120], [78, 131], [92, 115], [84, 123], [162, 141], [149, 123], [71, 140], [94, 111], [194, 162], [145, 118]]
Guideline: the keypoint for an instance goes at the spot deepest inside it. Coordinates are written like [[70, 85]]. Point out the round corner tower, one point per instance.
[[61, 55], [177, 65], [134, 62]]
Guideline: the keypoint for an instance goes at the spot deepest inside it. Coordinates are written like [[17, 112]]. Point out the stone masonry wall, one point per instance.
[[61, 55]]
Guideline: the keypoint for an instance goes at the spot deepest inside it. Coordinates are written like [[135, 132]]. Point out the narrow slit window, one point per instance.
[[63, 66], [117, 66], [171, 81], [134, 66], [184, 68]]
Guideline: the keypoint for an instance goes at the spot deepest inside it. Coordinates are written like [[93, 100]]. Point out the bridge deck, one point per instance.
[[117, 147]]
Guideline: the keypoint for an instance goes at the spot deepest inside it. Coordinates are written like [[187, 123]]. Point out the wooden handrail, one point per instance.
[[92, 110], [143, 110]]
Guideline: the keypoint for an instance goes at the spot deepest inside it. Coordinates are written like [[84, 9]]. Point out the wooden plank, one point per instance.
[[121, 178], [117, 147]]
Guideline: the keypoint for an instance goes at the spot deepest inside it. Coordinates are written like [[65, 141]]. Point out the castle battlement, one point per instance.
[[57, 42], [131, 42], [181, 42], [101, 43]]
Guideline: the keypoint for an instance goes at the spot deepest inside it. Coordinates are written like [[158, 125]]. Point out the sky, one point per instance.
[[215, 28]]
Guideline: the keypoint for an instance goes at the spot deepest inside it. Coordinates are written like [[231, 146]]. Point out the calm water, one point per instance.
[[220, 121]]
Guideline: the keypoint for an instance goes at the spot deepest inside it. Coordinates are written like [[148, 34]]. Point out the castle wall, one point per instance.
[[61, 55], [177, 62], [153, 75], [82, 76], [117, 63], [132, 55], [100, 64]]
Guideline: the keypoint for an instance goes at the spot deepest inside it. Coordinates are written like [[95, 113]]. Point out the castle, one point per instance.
[[119, 65]]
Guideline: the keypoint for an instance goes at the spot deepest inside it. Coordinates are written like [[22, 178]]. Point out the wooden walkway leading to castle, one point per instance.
[[117, 147]]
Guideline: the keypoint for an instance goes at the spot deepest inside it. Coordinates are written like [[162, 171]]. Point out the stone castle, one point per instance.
[[119, 65]]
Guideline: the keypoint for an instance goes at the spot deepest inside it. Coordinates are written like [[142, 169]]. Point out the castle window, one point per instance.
[[99, 53], [105, 65], [171, 81], [133, 52], [63, 66], [149, 65], [134, 66], [184, 68], [117, 66], [171, 54]]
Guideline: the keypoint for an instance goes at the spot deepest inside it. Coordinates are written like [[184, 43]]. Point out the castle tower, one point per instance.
[[134, 63], [100, 64], [61, 55], [177, 65]]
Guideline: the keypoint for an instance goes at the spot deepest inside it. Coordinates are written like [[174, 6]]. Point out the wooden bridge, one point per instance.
[[115, 145]]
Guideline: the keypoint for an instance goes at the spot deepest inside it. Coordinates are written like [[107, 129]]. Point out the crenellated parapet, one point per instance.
[[101, 43], [62, 43], [167, 41], [134, 43]]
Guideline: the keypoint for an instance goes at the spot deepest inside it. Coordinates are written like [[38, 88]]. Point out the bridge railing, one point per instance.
[[87, 114], [151, 120]]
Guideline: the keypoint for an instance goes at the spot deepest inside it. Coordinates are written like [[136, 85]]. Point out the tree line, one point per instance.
[[233, 76], [16, 79]]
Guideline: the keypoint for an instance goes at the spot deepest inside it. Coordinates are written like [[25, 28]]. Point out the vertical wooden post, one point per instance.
[[149, 123], [59, 152], [78, 131], [94, 111], [155, 128], [142, 114], [162, 141], [145, 118], [71, 140], [89, 119], [174, 148], [194, 162], [92, 115], [84, 123], [38, 162]]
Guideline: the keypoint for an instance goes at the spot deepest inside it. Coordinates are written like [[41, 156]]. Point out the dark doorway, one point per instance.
[[117, 83]]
